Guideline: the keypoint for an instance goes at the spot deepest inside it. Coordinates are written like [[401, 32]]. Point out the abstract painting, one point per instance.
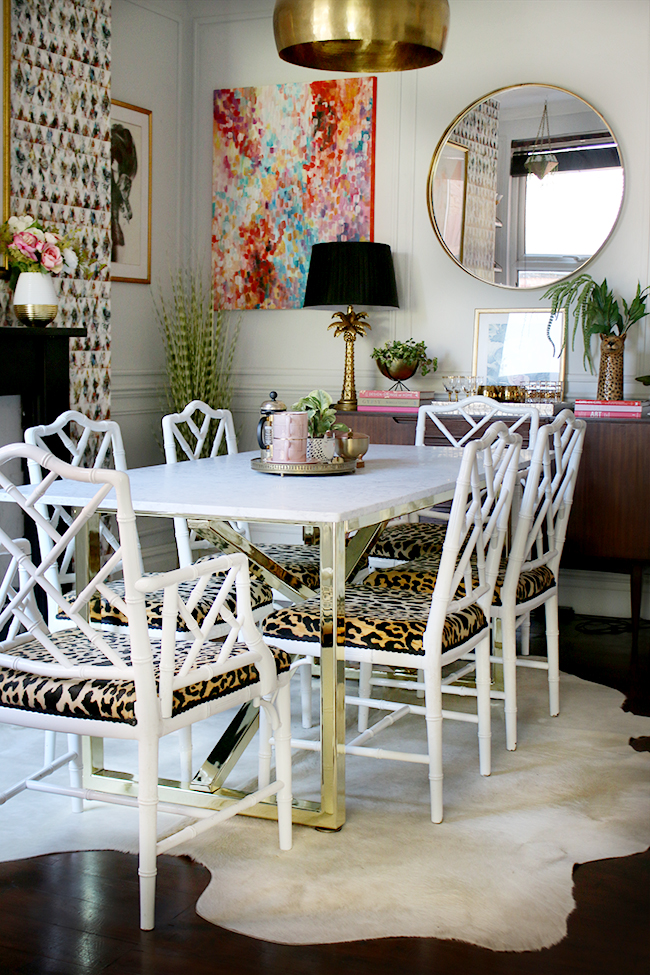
[[293, 166]]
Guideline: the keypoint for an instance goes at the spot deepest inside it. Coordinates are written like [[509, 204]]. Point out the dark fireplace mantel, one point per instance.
[[34, 364]]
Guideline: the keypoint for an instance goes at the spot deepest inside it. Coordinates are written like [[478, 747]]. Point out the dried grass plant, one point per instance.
[[199, 343]]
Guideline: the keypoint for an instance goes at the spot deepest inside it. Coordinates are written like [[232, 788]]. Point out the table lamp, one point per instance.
[[347, 273]]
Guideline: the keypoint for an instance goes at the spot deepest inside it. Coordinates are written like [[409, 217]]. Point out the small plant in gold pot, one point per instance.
[[401, 360]]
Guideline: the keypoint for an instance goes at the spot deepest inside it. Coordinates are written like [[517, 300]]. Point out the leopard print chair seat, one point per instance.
[[406, 541], [113, 700], [392, 623], [105, 613], [419, 576]]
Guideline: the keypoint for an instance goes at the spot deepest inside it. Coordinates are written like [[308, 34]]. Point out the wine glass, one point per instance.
[[449, 383]]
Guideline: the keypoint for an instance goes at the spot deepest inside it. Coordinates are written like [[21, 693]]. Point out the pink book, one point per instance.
[[387, 409]]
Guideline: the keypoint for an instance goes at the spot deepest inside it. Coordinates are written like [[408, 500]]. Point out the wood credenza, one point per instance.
[[609, 527]]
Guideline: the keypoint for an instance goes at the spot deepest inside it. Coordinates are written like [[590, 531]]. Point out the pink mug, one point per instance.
[[290, 425], [286, 451]]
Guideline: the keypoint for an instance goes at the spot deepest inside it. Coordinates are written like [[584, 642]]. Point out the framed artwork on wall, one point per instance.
[[130, 193], [512, 347], [293, 166]]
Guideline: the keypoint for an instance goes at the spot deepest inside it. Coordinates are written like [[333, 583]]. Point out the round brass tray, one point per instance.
[[313, 467]]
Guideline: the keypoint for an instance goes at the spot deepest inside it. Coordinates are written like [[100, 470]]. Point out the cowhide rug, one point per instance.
[[496, 872]]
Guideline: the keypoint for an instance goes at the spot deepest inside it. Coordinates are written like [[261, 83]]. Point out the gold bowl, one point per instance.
[[353, 447]]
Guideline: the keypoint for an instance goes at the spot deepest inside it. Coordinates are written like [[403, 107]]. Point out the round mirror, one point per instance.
[[525, 186]]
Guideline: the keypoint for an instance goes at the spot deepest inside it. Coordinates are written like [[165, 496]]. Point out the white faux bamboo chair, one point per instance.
[[528, 577], [533, 566], [199, 430], [428, 632], [127, 684], [98, 443], [406, 540]]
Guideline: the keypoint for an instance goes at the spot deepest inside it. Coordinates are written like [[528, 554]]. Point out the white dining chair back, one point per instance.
[[126, 684], [422, 533], [531, 577], [83, 443], [477, 412], [198, 430]]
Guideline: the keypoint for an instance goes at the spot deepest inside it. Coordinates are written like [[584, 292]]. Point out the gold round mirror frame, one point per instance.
[[445, 141]]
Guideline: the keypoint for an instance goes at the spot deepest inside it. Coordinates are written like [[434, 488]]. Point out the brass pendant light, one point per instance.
[[361, 35]]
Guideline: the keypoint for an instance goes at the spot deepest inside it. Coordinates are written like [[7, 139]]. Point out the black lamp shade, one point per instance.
[[351, 273]]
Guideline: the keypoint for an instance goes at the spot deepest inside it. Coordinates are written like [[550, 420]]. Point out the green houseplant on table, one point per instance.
[[401, 360], [598, 311], [322, 421]]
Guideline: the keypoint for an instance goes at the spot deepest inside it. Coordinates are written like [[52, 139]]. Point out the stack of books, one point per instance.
[[392, 400], [622, 408]]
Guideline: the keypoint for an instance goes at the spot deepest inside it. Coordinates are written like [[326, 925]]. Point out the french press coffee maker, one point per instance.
[[265, 426]]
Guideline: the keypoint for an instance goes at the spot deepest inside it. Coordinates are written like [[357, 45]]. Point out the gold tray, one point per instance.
[[309, 467]]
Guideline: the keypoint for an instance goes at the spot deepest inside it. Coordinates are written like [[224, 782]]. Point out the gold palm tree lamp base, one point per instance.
[[349, 326]]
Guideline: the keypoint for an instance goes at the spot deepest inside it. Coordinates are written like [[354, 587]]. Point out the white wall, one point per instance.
[[492, 43], [148, 65], [600, 50]]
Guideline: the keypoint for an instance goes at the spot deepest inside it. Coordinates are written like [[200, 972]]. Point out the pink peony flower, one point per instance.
[[27, 244], [51, 258]]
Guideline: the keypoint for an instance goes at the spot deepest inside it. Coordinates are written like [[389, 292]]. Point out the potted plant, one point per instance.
[[199, 343], [322, 421], [597, 311], [401, 360]]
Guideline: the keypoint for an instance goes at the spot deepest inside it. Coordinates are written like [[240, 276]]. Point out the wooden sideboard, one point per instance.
[[609, 527]]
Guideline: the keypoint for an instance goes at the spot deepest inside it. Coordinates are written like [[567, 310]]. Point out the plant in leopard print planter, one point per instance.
[[598, 311], [610, 373]]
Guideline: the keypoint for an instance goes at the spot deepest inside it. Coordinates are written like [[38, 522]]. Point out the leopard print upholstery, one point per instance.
[[420, 576], [112, 700], [101, 611], [302, 561], [406, 541], [380, 621]]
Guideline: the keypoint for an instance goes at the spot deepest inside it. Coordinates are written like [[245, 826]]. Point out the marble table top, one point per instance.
[[395, 477]]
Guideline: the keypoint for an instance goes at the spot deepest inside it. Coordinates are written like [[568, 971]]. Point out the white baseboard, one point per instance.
[[601, 593]]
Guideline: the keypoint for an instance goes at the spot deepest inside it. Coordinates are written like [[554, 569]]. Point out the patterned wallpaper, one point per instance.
[[478, 130], [60, 163]]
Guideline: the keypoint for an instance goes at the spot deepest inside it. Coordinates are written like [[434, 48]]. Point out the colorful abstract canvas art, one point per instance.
[[293, 166]]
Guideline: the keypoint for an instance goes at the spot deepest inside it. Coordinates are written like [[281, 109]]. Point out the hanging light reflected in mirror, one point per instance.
[[361, 35]]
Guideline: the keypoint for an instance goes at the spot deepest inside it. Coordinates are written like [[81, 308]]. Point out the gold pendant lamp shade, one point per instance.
[[361, 35]]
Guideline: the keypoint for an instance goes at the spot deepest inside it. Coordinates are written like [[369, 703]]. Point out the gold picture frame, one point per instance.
[[512, 346], [130, 192]]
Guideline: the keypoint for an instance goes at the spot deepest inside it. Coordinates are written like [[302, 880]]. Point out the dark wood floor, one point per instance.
[[68, 914]]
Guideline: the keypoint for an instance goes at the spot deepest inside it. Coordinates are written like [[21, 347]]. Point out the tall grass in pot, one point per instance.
[[199, 342]]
